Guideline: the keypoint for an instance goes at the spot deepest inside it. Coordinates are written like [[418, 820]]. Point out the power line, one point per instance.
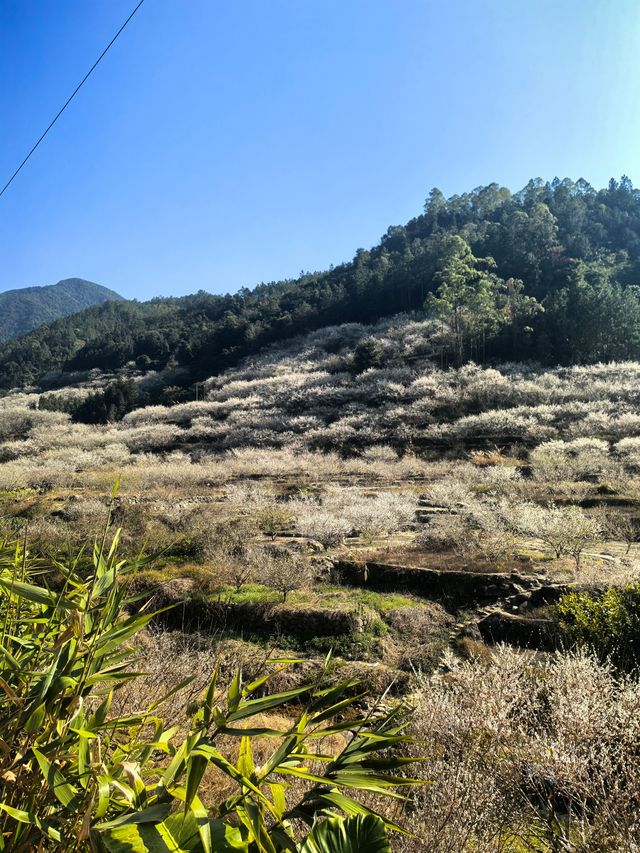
[[69, 99]]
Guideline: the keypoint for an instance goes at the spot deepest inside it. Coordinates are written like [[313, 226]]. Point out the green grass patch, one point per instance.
[[251, 593], [14, 494], [382, 602], [533, 554], [321, 596]]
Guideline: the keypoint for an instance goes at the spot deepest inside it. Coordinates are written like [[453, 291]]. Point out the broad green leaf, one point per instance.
[[152, 814], [226, 839], [216, 758], [328, 696], [175, 765], [174, 690], [196, 766], [233, 693], [335, 798], [36, 718], [338, 707], [31, 818], [253, 732], [178, 833], [35, 594], [250, 816], [13, 663], [245, 757], [354, 834], [63, 791], [278, 797], [285, 664], [267, 703]]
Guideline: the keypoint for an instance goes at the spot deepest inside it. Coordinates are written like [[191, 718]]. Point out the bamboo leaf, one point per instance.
[[35, 594], [234, 693], [177, 833], [152, 814], [196, 766], [35, 720], [245, 757], [259, 706], [64, 792], [279, 798], [31, 818]]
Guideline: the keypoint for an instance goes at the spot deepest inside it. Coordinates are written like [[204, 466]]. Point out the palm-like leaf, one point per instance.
[[362, 833]]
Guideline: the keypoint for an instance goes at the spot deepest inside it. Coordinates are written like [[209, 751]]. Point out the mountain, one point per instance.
[[27, 308], [550, 273]]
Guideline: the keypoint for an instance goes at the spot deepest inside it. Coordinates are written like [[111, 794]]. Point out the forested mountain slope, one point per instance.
[[548, 273], [29, 307]]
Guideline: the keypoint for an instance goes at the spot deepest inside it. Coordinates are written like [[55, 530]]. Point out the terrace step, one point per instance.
[[457, 587]]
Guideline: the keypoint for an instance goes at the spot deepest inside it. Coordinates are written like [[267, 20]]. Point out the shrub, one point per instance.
[[498, 477], [448, 533], [472, 525], [528, 755], [451, 493], [371, 514], [581, 459], [623, 526], [566, 530], [210, 539], [321, 525], [284, 571], [367, 353], [607, 623], [274, 518]]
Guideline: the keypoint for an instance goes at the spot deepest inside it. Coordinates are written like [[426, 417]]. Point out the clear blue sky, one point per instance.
[[220, 144]]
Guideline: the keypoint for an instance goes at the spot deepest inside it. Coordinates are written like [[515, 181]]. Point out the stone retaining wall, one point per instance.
[[458, 587]]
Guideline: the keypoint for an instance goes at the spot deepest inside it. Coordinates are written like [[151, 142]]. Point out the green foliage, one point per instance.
[[250, 593], [472, 300], [382, 602], [594, 318], [364, 833], [76, 777], [321, 595], [101, 407], [368, 353], [112, 404], [608, 623]]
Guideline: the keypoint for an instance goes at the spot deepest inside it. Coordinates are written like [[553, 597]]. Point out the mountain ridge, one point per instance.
[[24, 309]]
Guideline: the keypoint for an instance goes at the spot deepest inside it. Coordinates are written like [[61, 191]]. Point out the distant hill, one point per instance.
[[27, 308]]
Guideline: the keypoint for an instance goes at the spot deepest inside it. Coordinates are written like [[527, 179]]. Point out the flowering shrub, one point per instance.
[[528, 755]]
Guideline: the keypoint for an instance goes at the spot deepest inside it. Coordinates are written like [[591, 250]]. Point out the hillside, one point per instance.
[[27, 308], [388, 466], [548, 273], [313, 395], [353, 388]]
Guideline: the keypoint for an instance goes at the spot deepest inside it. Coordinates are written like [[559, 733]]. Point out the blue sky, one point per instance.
[[220, 144]]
